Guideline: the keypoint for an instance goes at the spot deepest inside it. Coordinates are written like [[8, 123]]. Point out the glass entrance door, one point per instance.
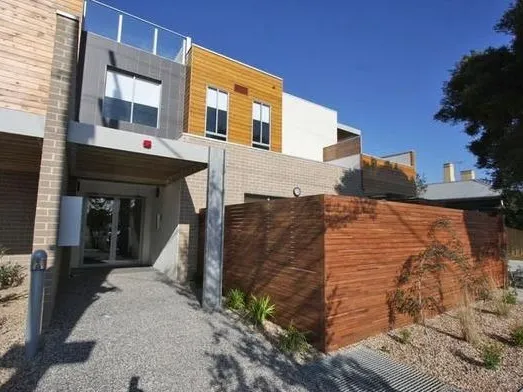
[[112, 232]]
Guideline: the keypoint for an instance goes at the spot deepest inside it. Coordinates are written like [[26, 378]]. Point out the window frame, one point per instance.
[[217, 136], [261, 145], [135, 77]]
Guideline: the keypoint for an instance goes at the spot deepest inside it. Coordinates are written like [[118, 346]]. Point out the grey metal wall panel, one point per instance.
[[101, 53]]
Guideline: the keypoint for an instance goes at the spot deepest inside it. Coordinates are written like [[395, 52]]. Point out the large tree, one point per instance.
[[485, 94]]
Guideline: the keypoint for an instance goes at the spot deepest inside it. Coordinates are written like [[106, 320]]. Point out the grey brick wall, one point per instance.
[[17, 214], [102, 52], [53, 172], [254, 171]]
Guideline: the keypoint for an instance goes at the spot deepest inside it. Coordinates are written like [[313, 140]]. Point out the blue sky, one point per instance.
[[380, 63]]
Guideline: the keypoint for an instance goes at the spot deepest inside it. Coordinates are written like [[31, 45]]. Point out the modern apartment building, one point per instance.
[[107, 121]]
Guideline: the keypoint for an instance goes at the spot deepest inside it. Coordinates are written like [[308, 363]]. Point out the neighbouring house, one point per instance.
[[109, 124], [466, 193]]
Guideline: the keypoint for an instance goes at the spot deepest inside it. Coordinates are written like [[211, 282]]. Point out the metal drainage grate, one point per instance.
[[365, 370]]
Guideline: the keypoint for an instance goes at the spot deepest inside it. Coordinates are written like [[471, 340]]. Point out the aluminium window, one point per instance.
[[261, 125], [131, 98], [216, 114]]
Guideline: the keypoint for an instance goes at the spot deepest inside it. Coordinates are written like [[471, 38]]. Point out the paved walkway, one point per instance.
[[131, 330]]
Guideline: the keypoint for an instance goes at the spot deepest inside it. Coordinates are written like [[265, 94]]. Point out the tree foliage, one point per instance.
[[485, 94]]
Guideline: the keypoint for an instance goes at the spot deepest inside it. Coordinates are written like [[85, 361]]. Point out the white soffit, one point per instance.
[[98, 136]]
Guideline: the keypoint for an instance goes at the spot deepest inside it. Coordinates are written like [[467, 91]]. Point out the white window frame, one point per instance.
[[217, 136], [135, 77], [261, 145]]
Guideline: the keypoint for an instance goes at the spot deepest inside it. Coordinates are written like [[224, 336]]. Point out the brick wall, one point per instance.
[[53, 176], [259, 172], [17, 213]]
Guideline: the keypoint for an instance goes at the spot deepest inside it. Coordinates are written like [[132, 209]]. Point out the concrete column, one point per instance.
[[53, 167], [214, 221]]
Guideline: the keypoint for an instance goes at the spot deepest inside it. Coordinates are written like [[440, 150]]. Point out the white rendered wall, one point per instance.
[[166, 216], [307, 128]]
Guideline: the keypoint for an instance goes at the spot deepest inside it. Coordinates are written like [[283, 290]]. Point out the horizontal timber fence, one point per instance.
[[332, 263]]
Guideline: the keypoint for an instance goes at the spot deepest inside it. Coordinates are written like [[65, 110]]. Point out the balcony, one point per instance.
[[122, 27]]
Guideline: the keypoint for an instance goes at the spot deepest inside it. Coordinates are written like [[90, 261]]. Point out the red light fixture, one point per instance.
[[147, 144]]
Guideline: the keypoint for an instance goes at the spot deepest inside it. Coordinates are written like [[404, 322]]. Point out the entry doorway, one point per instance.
[[113, 230]]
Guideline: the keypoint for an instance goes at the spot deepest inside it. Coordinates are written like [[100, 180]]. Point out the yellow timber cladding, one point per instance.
[[244, 86]]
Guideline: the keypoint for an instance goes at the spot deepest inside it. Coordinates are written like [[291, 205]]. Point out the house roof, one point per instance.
[[472, 189]]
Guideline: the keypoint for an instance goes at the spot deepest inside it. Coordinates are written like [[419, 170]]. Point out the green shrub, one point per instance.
[[11, 275], [491, 354], [235, 300], [293, 340], [260, 309], [509, 297], [404, 336], [517, 335]]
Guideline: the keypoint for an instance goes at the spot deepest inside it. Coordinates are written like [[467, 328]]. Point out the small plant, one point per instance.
[[469, 327], [404, 336], [509, 297], [11, 275], [517, 335], [235, 300], [260, 309], [292, 340], [385, 349], [503, 302], [491, 354]]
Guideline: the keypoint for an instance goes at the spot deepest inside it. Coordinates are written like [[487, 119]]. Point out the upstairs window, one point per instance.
[[217, 107], [131, 98], [261, 125]]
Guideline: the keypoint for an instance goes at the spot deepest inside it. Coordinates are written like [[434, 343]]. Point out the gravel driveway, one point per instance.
[[130, 330]]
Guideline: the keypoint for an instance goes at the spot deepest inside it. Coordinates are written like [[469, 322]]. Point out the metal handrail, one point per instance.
[[133, 16]]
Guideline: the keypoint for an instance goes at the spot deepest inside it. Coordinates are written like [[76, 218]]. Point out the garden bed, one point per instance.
[[439, 349], [13, 310]]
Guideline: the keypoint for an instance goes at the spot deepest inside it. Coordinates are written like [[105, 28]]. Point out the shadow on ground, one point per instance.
[[232, 372], [198, 350], [77, 294]]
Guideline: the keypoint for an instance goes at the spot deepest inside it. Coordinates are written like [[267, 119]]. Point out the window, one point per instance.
[[217, 106], [131, 98], [261, 125]]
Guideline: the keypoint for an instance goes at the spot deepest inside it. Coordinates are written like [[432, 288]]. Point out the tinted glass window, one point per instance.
[[261, 127], [217, 102], [265, 133], [211, 120], [145, 115], [131, 98], [117, 109], [222, 122], [256, 130]]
